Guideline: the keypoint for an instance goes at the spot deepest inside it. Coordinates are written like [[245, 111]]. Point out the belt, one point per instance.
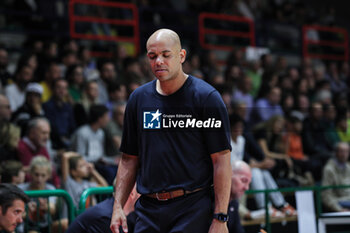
[[164, 196]]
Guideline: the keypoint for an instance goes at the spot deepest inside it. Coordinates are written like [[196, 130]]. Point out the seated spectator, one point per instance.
[[35, 143], [31, 108], [115, 126], [12, 207], [315, 143], [78, 175], [15, 92], [240, 180], [40, 171], [302, 163], [107, 75], [75, 78], [98, 217], [52, 72], [89, 141], [269, 136], [265, 108], [343, 128], [337, 84], [261, 177], [337, 172], [117, 94], [12, 172], [9, 133], [60, 114], [89, 98], [242, 94]]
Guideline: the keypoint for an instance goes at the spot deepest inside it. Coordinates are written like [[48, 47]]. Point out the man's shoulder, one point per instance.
[[146, 88], [200, 85]]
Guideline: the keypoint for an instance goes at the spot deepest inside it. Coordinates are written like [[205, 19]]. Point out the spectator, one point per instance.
[[261, 177], [242, 94], [34, 143], [5, 76], [315, 143], [75, 78], [240, 180], [337, 172], [89, 98], [52, 73], [337, 84], [132, 71], [15, 92], [31, 108], [254, 72], [40, 171], [78, 175], [69, 58], [115, 126], [117, 94], [343, 128], [270, 135], [107, 75], [89, 141], [303, 164], [12, 172], [265, 108], [9, 133], [88, 64], [12, 207], [60, 114]]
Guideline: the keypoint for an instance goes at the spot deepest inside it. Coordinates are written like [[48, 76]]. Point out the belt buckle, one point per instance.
[[162, 196]]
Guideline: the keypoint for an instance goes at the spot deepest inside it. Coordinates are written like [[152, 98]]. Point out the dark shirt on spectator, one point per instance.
[[62, 122]]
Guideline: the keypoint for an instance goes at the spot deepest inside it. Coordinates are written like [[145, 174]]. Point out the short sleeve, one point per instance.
[[129, 144], [217, 135]]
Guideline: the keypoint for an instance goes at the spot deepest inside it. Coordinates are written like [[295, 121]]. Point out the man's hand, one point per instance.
[[218, 227], [118, 219]]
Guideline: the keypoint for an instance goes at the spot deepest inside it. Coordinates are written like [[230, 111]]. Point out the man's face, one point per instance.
[[41, 134], [25, 74], [342, 153], [275, 96], [165, 58], [5, 111], [240, 183], [61, 90], [108, 72], [104, 120], [92, 91], [53, 73], [12, 217]]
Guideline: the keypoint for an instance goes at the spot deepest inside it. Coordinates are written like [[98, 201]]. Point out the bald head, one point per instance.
[[165, 35], [240, 179], [240, 166]]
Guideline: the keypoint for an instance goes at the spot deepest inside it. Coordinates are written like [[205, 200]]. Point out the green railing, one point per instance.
[[316, 189], [57, 193], [92, 191]]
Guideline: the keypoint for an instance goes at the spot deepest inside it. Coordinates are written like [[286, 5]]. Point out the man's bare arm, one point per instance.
[[126, 178], [222, 187]]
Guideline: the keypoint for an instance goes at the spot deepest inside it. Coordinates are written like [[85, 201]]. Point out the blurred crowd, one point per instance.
[[62, 111]]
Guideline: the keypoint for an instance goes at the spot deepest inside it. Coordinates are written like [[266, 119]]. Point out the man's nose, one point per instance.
[[159, 60]]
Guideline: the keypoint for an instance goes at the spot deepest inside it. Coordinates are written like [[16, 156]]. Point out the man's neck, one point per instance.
[[169, 87], [95, 126]]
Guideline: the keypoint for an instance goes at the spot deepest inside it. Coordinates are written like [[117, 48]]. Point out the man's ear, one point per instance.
[[183, 55]]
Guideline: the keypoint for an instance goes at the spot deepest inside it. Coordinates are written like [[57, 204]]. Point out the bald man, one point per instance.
[[240, 180], [176, 145]]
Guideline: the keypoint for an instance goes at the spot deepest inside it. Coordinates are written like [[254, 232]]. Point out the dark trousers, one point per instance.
[[188, 214]]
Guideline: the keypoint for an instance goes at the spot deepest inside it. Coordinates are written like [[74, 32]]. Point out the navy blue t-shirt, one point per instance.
[[175, 135]]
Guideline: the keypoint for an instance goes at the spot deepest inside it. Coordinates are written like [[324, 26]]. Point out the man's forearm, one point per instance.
[[125, 179], [222, 180]]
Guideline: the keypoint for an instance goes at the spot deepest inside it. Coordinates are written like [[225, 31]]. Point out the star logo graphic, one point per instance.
[[156, 115]]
